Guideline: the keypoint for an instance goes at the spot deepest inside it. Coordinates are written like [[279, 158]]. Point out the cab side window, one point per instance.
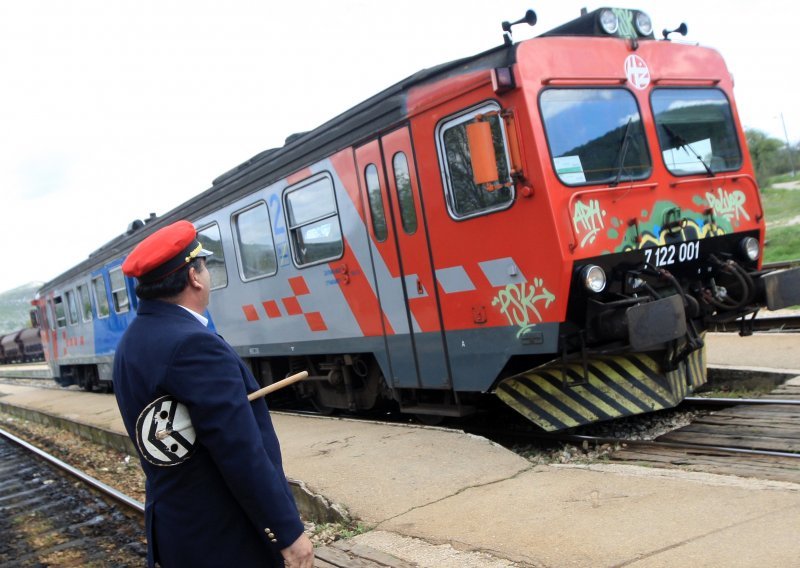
[[465, 198]]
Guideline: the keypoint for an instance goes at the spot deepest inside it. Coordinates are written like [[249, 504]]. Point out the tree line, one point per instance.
[[771, 156]]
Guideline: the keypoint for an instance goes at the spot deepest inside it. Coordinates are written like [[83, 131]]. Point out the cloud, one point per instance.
[[41, 175]]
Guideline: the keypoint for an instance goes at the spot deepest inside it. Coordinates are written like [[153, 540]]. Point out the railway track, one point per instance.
[[48, 520], [752, 438], [747, 437]]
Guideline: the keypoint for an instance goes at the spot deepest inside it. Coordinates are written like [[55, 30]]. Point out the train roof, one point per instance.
[[370, 117]]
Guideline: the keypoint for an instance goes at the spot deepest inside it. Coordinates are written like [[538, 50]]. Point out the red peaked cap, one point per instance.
[[164, 252]]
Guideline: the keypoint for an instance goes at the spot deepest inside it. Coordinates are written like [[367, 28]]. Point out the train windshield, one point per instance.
[[696, 131], [595, 135]]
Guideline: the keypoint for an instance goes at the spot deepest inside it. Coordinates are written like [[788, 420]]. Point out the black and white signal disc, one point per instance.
[[164, 432]]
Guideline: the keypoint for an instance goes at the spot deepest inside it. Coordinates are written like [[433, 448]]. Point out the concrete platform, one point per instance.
[[441, 498]]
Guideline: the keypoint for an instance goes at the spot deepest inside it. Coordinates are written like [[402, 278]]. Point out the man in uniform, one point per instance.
[[218, 497]]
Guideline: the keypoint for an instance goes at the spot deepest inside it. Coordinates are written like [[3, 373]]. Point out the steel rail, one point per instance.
[[767, 323], [683, 445], [732, 401], [95, 484], [781, 264], [580, 438]]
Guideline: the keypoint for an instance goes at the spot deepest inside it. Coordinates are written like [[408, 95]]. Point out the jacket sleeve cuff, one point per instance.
[[284, 535]]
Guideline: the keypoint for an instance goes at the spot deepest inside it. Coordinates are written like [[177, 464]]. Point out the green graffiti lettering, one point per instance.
[[588, 219], [728, 204], [625, 19], [518, 302]]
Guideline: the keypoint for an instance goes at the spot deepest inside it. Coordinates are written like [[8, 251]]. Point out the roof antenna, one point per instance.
[[683, 29], [529, 18]]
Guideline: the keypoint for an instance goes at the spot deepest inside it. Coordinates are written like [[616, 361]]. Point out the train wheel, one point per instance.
[[429, 419], [321, 408], [88, 379]]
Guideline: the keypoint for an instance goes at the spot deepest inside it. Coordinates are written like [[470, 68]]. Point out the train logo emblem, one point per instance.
[[637, 72], [164, 432]]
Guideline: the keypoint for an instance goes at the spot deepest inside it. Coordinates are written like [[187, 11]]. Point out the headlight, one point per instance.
[[749, 248], [643, 24], [608, 22], [593, 278]]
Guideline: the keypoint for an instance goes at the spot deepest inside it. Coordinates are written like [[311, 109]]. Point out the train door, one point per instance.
[[404, 272]]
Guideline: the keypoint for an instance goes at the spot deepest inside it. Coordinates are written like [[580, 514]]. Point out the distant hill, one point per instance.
[[15, 307]]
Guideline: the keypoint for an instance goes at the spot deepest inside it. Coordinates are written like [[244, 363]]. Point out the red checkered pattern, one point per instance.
[[291, 306]]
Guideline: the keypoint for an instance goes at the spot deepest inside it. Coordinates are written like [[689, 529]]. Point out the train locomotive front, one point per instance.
[[660, 219]]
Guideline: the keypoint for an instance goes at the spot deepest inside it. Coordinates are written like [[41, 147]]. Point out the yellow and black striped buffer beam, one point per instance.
[[557, 396]]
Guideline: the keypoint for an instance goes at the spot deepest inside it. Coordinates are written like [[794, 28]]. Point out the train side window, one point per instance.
[[255, 245], [100, 296], [375, 202], [119, 292], [465, 198], [210, 238], [61, 314], [405, 197], [72, 307], [313, 221], [86, 302]]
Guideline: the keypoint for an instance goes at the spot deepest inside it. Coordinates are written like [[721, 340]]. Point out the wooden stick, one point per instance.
[[160, 435], [279, 385]]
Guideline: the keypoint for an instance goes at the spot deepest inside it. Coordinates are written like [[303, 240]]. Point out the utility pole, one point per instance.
[[788, 145]]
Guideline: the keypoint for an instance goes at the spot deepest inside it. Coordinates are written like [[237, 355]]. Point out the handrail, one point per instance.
[[584, 80], [716, 177], [687, 81]]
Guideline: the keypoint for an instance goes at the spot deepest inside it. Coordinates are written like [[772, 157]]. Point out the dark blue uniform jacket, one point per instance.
[[229, 504]]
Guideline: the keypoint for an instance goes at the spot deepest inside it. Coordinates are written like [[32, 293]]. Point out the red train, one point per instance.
[[555, 222]]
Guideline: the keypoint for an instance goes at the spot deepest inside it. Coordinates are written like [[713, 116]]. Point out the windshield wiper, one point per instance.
[[679, 142], [623, 151]]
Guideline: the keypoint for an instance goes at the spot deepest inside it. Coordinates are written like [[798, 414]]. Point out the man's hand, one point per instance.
[[300, 554]]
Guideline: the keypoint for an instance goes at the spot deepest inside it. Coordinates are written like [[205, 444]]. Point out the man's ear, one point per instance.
[[194, 281]]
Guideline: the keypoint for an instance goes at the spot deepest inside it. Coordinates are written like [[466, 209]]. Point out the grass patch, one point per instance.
[[329, 532], [783, 243], [780, 204], [783, 178]]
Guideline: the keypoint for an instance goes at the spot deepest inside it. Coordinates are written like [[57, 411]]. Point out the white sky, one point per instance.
[[113, 109]]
